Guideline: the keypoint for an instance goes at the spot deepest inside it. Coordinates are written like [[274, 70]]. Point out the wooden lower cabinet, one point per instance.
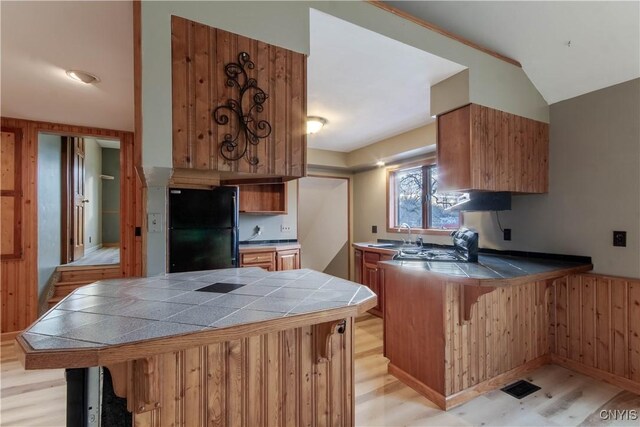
[[288, 260], [271, 259], [367, 273]]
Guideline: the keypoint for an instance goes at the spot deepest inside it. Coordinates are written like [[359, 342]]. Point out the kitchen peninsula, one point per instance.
[[222, 347], [453, 331]]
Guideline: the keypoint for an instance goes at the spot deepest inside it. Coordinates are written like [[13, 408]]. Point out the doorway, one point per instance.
[[323, 224], [78, 202]]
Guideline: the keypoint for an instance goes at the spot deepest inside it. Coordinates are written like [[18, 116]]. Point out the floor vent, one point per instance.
[[520, 389]]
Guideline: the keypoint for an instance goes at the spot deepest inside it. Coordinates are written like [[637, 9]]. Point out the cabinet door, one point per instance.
[[371, 280], [357, 273], [288, 260], [454, 138]]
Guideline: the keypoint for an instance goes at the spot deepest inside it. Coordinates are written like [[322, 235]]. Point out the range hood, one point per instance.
[[482, 201]]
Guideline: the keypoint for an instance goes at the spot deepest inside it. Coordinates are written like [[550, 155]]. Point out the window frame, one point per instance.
[[391, 212]]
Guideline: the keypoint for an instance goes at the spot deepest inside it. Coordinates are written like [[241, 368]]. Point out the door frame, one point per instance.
[[349, 239], [131, 192]]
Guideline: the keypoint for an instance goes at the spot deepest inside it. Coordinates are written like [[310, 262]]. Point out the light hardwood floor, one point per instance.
[[37, 398]]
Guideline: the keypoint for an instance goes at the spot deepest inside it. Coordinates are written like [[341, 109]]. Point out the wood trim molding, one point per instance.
[[495, 382], [598, 374], [441, 31], [419, 386], [9, 336]]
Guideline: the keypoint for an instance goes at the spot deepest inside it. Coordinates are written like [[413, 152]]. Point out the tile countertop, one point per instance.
[[124, 311], [496, 268]]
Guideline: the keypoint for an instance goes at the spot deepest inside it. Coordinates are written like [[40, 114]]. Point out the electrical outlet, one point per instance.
[[374, 229], [89, 239], [285, 228], [507, 234], [620, 238]]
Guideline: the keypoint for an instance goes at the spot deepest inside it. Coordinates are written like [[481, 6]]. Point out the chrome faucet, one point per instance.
[[408, 227]]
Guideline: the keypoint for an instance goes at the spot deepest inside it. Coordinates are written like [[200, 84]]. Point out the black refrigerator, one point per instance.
[[203, 229]]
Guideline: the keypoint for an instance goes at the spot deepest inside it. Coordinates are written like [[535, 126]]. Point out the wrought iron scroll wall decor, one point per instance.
[[250, 129]]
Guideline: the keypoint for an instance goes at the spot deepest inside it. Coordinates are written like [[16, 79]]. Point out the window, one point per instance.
[[414, 200]]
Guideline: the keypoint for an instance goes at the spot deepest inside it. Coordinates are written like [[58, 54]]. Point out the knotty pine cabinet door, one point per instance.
[[480, 148], [288, 260], [199, 85]]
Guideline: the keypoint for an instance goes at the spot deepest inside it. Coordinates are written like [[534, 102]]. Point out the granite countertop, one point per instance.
[[494, 267], [124, 311]]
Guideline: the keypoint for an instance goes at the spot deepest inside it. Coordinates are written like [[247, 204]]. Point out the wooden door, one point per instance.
[[288, 260], [78, 198]]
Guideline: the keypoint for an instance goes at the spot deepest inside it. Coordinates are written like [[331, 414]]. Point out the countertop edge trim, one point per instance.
[[111, 354]]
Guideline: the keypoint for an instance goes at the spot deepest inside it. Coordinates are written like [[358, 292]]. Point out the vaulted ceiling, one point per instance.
[[604, 38]]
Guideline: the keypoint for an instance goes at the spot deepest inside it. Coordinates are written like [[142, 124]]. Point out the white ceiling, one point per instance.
[[368, 87], [604, 35], [40, 40]]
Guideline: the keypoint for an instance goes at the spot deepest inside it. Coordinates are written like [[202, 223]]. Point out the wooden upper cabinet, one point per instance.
[[480, 148], [211, 68]]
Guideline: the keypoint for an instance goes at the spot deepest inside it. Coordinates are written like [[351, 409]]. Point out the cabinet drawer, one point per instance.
[[371, 257], [257, 258]]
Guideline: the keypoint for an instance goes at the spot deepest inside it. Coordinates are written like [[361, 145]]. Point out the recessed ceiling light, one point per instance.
[[82, 76], [434, 117], [315, 124], [380, 163]]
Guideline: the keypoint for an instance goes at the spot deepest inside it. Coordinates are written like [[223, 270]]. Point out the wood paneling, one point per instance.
[[11, 188], [596, 326], [19, 279], [507, 329], [457, 359], [272, 379], [199, 85], [480, 148]]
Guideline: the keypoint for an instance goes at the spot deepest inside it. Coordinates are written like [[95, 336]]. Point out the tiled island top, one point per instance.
[[120, 313]]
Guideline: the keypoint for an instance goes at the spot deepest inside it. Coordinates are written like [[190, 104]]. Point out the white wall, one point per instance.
[[49, 206], [271, 224], [594, 173], [323, 229], [92, 192]]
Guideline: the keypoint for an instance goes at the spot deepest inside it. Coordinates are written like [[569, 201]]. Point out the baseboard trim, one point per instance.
[[438, 398], [457, 399], [596, 373], [495, 382], [9, 336]]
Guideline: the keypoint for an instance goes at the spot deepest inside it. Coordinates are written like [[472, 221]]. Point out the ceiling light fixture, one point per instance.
[[434, 117], [380, 163], [82, 76], [315, 124]]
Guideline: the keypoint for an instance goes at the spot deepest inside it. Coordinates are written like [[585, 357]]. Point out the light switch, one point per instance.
[[154, 223]]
